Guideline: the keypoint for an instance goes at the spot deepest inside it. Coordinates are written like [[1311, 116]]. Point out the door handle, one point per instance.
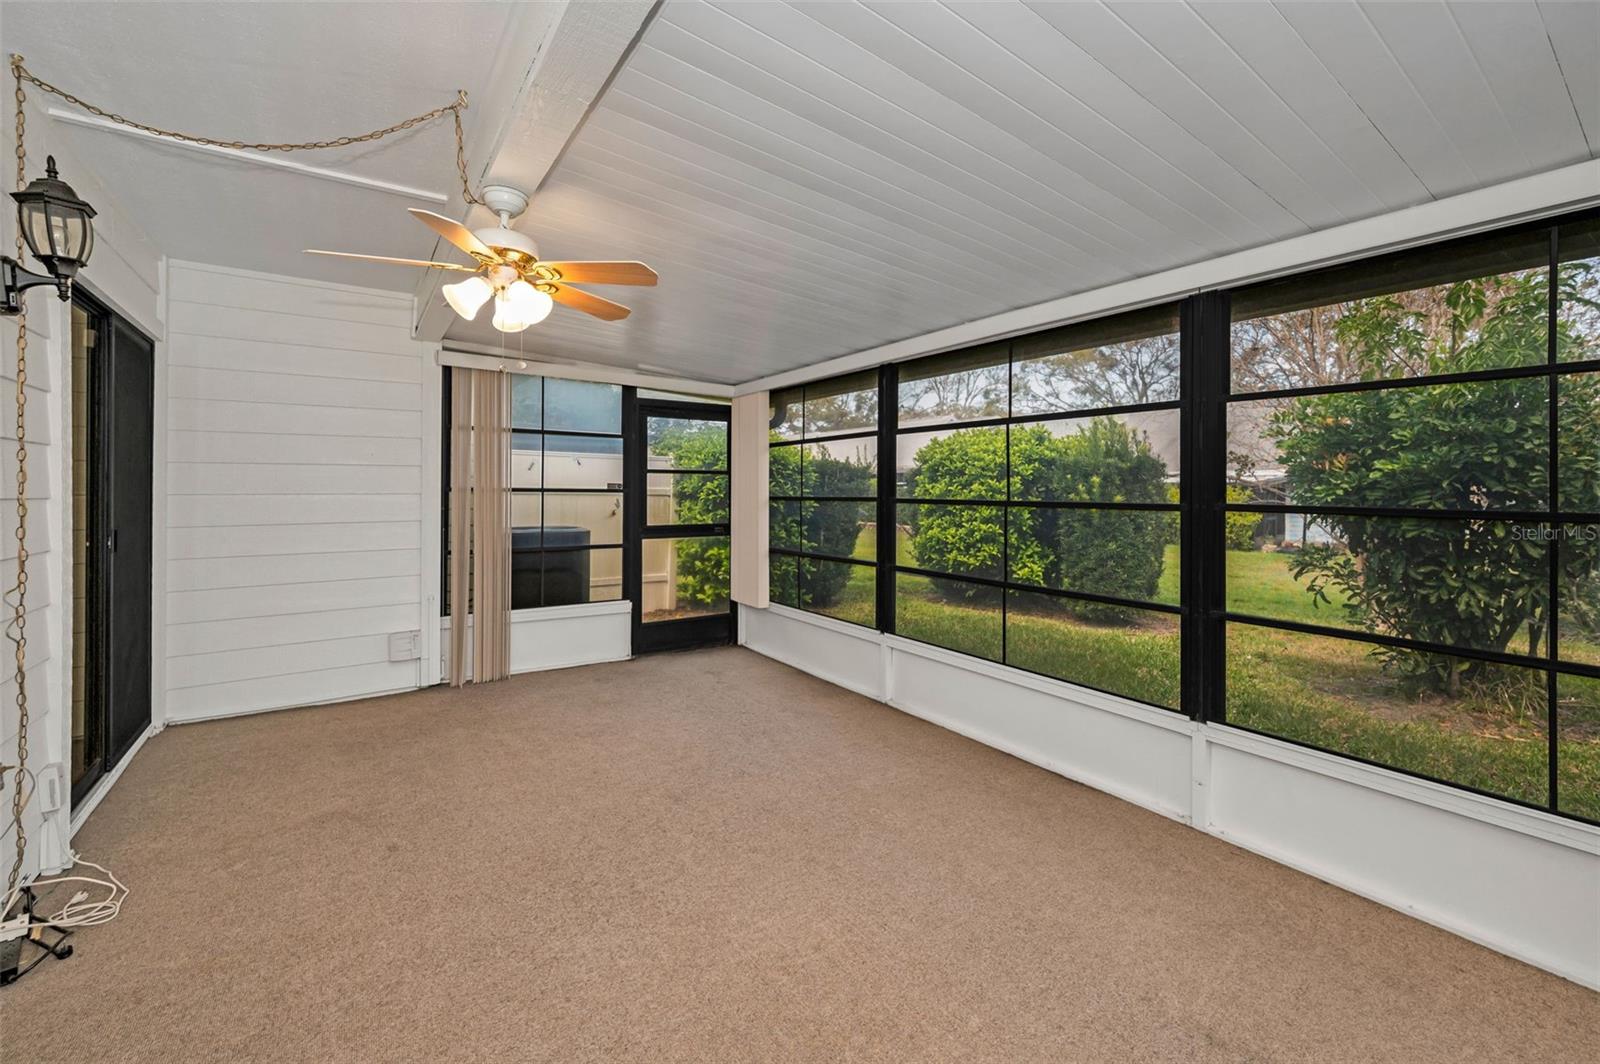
[[111, 541]]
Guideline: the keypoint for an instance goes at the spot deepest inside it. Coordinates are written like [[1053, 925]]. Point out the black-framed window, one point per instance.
[[566, 481], [1418, 436], [823, 477], [1037, 505], [1387, 539], [566, 492]]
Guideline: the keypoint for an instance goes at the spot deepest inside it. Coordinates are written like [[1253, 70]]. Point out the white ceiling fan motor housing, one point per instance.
[[504, 200], [508, 203], [508, 240]]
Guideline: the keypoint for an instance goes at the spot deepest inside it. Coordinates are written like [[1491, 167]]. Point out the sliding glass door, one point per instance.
[[113, 433]]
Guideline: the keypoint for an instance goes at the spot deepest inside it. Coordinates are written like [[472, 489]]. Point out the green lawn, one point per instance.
[[1323, 691]]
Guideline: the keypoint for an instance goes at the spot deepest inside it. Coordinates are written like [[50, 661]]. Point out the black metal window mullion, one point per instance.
[[791, 552], [1434, 380], [1204, 324], [544, 471], [1080, 414], [887, 512], [1553, 558], [444, 493], [1005, 512]]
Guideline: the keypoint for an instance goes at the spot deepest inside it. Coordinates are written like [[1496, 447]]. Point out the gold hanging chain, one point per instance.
[[17, 627], [453, 109]]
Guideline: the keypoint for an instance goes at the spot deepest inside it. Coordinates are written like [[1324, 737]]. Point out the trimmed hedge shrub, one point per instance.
[[1111, 552], [826, 529]]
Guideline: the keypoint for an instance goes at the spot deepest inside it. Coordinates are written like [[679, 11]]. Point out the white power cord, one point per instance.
[[80, 910]]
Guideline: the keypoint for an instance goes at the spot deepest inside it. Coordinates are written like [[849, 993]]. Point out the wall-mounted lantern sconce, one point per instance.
[[57, 227]]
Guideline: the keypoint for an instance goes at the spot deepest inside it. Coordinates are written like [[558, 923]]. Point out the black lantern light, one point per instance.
[[58, 229]]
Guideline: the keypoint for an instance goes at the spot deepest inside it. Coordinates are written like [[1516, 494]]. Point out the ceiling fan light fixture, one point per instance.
[[467, 297], [525, 288], [519, 306]]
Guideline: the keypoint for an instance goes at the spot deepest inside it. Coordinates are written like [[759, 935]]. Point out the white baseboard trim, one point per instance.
[[253, 711], [82, 811], [575, 663], [1376, 894], [1022, 753]]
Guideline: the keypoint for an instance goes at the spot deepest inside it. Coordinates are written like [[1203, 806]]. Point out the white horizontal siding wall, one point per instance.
[[301, 494], [49, 729]]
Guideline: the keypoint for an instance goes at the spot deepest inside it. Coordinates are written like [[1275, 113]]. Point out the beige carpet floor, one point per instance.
[[711, 857]]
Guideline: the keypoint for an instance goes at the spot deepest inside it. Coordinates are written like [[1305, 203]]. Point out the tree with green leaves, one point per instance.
[[1474, 446], [698, 499]]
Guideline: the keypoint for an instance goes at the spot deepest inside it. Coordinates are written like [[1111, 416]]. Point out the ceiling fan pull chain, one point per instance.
[[23, 74]]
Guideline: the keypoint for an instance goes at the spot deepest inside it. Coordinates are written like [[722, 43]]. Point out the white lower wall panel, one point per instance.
[[1519, 881], [843, 654], [559, 637], [1524, 895], [1142, 760]]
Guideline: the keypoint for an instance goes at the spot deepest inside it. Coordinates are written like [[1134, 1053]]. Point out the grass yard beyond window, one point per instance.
[[1326, 692]]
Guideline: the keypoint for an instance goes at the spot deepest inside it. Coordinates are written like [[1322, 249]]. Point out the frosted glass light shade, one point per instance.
[[520, 306], [467, 297], [530, 304]]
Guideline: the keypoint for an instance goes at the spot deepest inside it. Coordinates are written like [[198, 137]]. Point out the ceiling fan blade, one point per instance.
[[396, 262], [588, 303], [455, 232], [603, 272]]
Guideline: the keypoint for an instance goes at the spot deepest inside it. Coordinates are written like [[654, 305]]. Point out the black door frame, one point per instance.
[[102, 573], [688, 631]]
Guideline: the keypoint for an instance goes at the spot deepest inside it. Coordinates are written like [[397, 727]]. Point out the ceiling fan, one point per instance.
[[509, 270]]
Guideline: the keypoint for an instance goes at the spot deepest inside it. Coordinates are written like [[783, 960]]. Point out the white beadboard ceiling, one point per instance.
[[820, 178], [813, 179], [266, 72]]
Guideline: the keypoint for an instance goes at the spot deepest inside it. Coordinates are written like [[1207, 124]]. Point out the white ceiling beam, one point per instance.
[[558, 61]]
